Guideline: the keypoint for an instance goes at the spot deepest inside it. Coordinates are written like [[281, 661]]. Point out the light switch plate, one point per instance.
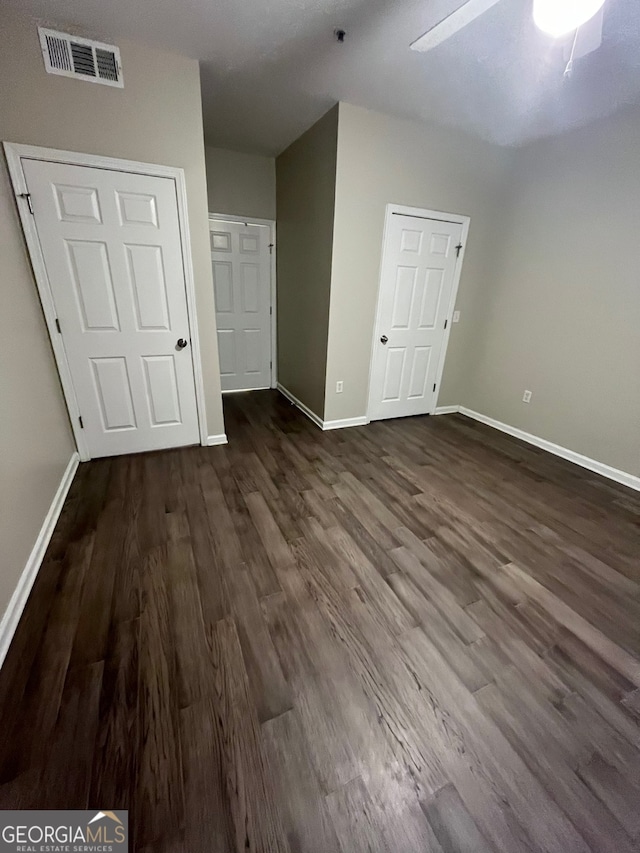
[[456, 316]]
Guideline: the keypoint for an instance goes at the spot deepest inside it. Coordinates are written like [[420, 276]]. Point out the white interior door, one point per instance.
[[112, 250], [241, 264], [419, 266]]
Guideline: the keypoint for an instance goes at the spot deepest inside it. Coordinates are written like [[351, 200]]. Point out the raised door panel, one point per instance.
[[251, 340], [249, 244], [227, 352], [250, 286], [148, 283], [393, 374], [223, 287], [90, 274], [431, 296], [411, 241], [221, 241], [403, 297], [439, 244], [420, 360], [137, 209], [77, 204], [113, 392], [161, 385]]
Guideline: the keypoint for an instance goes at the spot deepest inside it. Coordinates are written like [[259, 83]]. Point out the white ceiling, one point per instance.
[[270, 68]]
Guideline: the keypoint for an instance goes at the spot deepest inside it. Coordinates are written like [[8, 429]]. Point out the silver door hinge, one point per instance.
[[81, 424], [271, 245], [458, 250], [434, 386], [27, 196], [58, 326], [445, 323]]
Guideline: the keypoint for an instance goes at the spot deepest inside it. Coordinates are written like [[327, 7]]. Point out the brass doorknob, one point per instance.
[[181, 343], [384, 339]]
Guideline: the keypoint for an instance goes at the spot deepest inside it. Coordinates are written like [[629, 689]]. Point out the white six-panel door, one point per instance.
[[419, 266], [112, 249], [241, 265]]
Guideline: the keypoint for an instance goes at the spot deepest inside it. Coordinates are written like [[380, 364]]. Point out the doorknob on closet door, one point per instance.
[[384, 339], [181, 343]]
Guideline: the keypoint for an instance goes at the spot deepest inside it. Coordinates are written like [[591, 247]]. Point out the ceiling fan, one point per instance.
[[557, 18]]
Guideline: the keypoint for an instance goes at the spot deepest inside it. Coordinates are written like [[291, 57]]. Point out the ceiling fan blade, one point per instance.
[[452, 24], [589, 37]]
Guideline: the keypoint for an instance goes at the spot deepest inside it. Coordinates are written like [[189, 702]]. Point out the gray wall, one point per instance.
[[156, 118], [549, 294], [384, 160], [306, 177], [241, 184], [563, 303]]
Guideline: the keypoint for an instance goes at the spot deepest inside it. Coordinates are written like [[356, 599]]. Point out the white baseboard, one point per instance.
[[20, 595], [346, 422], [212, 440], [305, 409], [607, 471], [324, 425], [246, 390]]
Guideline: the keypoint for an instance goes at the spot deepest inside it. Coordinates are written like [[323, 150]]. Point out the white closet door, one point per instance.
[[415, 292], [112, 250], [241, 264]]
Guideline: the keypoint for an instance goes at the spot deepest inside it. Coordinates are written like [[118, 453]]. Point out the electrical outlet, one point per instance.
[[526, 398], [339, 386], [456, 316]]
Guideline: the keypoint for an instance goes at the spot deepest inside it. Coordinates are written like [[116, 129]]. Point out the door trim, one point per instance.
[[438, 216], [15, 154], [271, 224]]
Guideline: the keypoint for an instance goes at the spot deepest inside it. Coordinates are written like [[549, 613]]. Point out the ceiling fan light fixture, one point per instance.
[[559, 17]]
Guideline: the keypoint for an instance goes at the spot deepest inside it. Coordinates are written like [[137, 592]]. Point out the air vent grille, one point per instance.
[[107, 66], [83, 61], [58, 50], [81, 58]]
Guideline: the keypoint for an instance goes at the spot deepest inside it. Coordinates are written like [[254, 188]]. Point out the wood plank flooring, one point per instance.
[[420, 635]]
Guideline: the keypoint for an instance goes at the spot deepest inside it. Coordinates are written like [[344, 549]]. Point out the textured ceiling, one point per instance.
[[271, 67]]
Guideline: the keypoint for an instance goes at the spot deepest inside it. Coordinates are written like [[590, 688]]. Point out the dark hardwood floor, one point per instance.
[[420, 635]]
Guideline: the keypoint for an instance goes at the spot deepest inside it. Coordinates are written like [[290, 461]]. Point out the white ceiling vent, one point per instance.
[[81, 58]]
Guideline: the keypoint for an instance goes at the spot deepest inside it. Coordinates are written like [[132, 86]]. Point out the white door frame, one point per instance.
[[15, 153], [271, 225], [439, 216]]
